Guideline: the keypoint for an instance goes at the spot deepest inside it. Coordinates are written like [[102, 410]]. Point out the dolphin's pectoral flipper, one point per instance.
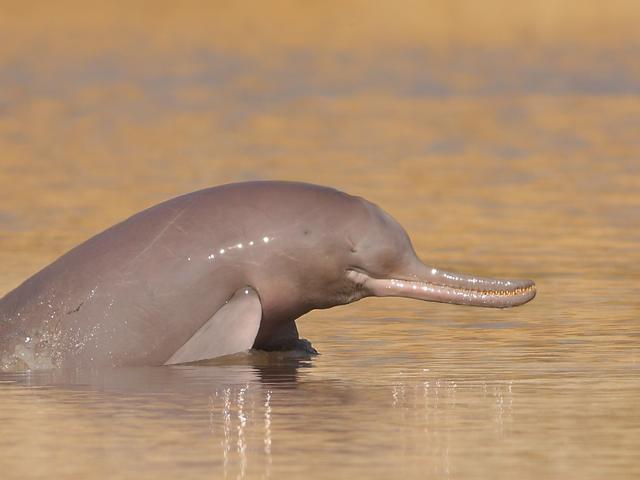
[[232, 329], [285, 337]]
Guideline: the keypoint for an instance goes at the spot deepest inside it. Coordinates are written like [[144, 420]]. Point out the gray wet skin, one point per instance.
[[246, 258]]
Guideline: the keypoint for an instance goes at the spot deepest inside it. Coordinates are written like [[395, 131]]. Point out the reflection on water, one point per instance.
[[245, 418], [239, 417], [507, 145]]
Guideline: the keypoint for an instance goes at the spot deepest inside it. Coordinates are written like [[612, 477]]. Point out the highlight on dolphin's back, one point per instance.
[[219, 271]]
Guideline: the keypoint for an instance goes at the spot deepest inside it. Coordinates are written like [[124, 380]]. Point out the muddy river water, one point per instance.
[[506, 142]]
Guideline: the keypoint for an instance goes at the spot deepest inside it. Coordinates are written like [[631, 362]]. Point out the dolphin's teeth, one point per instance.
[[500, 293]]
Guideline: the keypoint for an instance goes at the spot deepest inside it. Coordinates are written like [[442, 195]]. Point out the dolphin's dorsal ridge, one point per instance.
[[232, 329]]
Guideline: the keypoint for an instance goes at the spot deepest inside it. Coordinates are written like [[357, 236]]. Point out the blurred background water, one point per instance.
[[504, 137]]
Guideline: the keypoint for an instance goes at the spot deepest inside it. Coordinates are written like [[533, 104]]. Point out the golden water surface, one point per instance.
[[505, 138]]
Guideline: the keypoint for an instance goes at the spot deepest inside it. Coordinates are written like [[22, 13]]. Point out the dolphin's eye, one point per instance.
[[352, 245]]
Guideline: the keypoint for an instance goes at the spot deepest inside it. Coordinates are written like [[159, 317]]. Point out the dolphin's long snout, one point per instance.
[[431, 284]]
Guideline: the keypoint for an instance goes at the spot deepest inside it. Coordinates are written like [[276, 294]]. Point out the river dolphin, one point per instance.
[[220, 271]]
